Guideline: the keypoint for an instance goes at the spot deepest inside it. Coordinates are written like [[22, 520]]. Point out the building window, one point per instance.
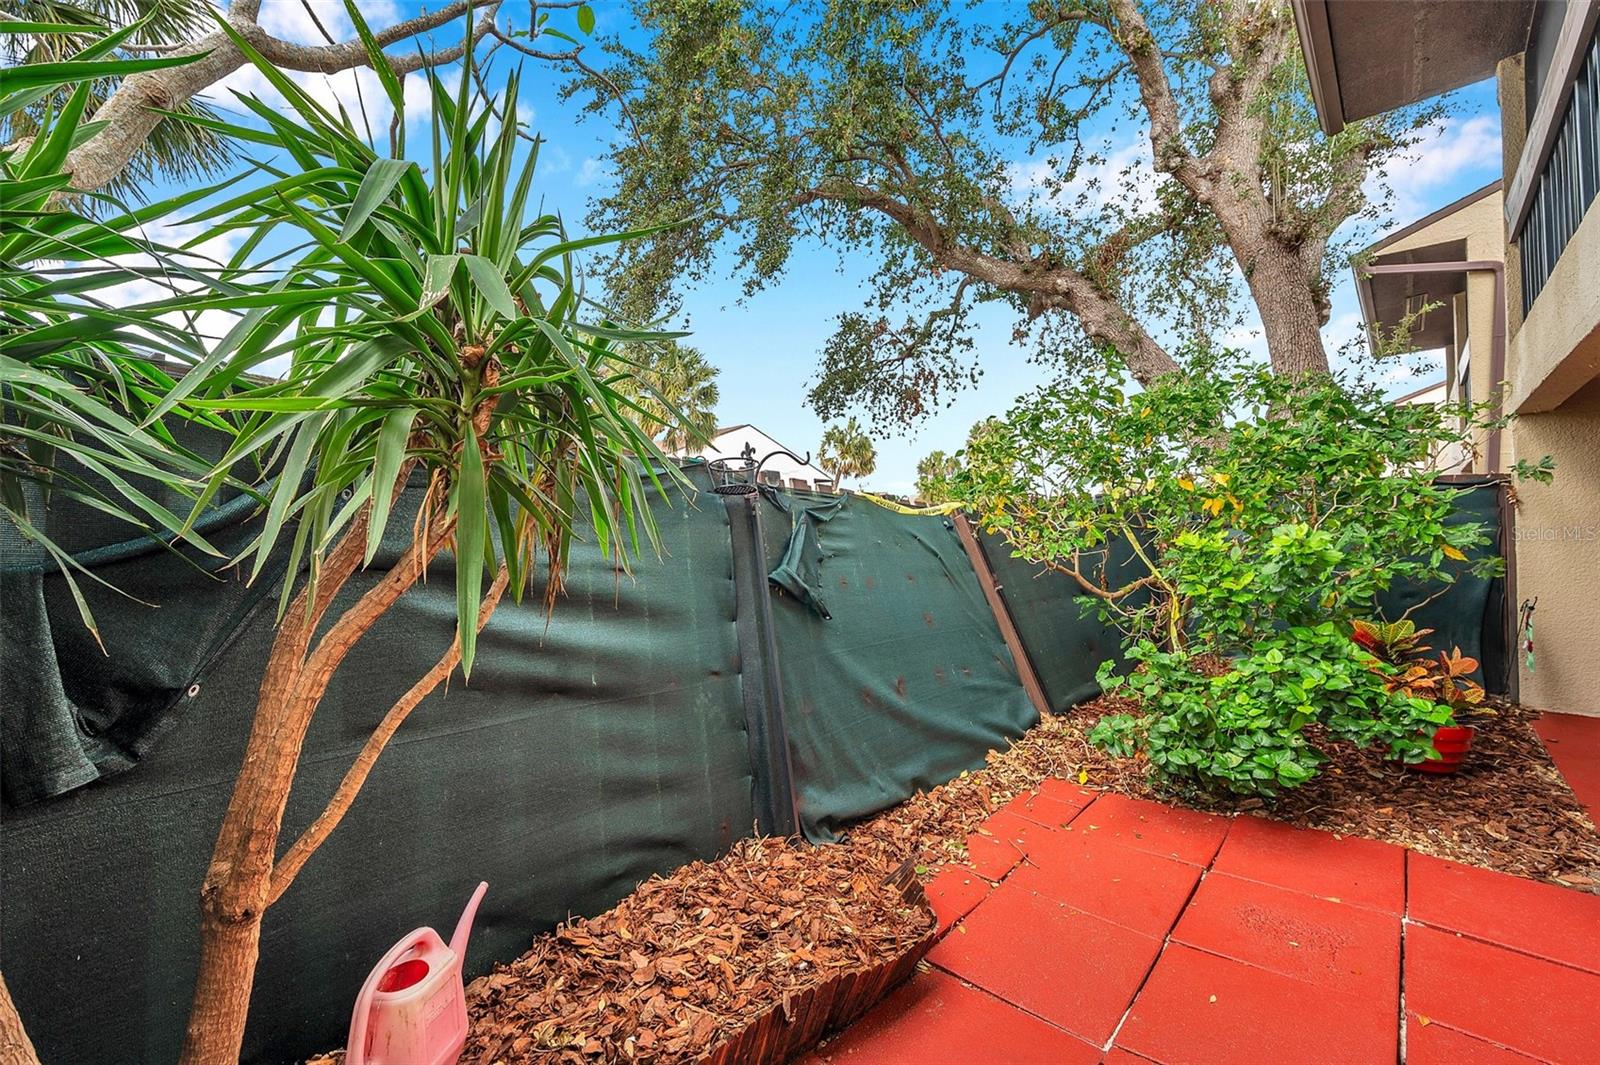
[[1567, 184]]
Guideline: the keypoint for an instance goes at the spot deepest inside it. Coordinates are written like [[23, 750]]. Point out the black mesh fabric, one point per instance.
[[75, 706], [1471, 614], [584, 755]]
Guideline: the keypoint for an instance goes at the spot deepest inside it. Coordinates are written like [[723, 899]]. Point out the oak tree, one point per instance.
[[1117, 173]]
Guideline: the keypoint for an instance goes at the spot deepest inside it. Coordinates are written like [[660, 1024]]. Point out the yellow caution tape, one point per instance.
[[899, 508]]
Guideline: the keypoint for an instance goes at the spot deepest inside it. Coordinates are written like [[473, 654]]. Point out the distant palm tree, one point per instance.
[[676, 387], [933, 476], [847, 451]]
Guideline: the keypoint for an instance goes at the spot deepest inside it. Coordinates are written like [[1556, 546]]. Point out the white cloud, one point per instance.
[[358, 91], [1416, 369], [1247, 338], [209, 326], [291, 21], [1342, 327], [419, 97], [1445, 154], [592, 171]]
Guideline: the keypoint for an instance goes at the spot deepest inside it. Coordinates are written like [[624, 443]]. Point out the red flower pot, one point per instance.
[[1452, 742]]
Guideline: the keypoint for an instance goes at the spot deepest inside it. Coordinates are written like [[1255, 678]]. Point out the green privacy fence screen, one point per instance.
[[584, 755], [895, 675], [638, 728], [792, 662], [1474, 613]]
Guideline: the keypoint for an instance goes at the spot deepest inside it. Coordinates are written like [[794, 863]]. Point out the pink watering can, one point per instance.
[[413, 1009]]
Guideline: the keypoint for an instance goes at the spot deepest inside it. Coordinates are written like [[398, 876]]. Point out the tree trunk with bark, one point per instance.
[[1230, 178], [1291, 314], [245, 877], [15, 1046], [133, 110]]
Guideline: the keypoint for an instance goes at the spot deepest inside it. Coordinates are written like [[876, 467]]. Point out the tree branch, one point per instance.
[[1101, 590], [1014, 53], [1046, 285], [286, 868], [1132, 35], [574, 56], [347, 55], [132, 112]]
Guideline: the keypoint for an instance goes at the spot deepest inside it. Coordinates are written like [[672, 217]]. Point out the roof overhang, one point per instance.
[[1365, 57], [1387, 296]]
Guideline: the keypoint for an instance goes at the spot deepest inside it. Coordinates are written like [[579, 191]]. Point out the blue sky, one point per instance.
[[767, 347]]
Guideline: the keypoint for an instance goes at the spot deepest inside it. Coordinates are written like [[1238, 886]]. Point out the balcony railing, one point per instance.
[[1568, 183]]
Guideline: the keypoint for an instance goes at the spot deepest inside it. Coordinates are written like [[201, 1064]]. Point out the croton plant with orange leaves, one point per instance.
[[1408, 665]]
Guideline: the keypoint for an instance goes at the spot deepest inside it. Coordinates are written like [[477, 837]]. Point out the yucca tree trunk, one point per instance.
[[15, 1046], [238, 884]]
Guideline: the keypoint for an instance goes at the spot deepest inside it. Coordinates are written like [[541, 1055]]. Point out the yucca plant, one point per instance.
[[79, 374], [438, 336]]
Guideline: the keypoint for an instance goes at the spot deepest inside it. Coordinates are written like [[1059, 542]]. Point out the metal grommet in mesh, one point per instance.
[[194, 689]]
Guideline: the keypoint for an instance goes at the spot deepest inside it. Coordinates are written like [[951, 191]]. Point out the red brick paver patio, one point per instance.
[[1574, 745], [1099, 928]]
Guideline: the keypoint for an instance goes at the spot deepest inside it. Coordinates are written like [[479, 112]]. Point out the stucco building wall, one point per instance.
[[1551, 384], [1553, 387], [1557, 542], [1481, 226]]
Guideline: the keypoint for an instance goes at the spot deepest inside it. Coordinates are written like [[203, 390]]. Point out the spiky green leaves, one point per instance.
[[449, 342]]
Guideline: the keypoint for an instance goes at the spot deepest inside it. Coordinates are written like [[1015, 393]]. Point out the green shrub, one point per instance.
[[1258, 517], [1243, 730]]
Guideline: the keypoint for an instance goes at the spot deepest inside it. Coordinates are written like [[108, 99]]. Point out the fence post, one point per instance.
[[1512, 611], [761, 683], [1002, 613]]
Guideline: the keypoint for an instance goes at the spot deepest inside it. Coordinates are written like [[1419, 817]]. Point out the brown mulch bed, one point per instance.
[[1507, 809], [688, 959]]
